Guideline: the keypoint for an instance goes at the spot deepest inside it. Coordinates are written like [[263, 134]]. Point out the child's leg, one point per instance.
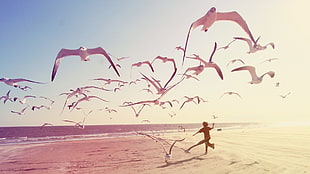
[[200, 142]]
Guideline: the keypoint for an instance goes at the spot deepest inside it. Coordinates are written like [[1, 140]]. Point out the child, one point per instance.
[[207, 137]]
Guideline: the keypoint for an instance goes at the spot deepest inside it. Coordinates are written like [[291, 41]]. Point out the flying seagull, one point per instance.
[[168, 154], [252, 71], [254, 47], [84, 53], [212, 16], [13, 82]]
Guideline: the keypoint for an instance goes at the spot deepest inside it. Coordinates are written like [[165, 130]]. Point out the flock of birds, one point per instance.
[[154, 86]]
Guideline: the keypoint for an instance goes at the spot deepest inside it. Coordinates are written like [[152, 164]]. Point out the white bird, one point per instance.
[[168, 154], [269, 60], [188, 99], [46, 124], [6, 97], [212, 16], [234, 61], [22, 112], [86, 98], [137, 114], [109, 81], [227, 46], [139, 64], [284, 96], [23, 101], [254, 47], [160, 89], [79, 91], [188, 76], [209, 64], [13, 82], [80, 125], [252, 71], [231, 93], [84, 53]]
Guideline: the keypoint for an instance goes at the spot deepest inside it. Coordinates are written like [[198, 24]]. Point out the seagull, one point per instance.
[[209, 64], [252, 71], [120, 58], [109, 81], [200, 99], [87, 98], [147, 90], [22, 112], [13, 82], [110, 110], [234, 61], [214, 116], [231, 93], [23, 101], [84, 53], [80, 125], [46, 124], [146, 121], [188, 76], [168, 154], [182, 128], [40, 107], [227, 46], [139, 64], [188, 99], [137, 114], [212, 16], [79, 91], [160, 90], [6, 97], [269, 60], [284, 96], [179, 48], [255, 47]]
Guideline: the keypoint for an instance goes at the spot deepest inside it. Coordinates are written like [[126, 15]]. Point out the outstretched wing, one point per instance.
[[61, 54], [235, 17], [101, 51], [24, 80], [170, 150]]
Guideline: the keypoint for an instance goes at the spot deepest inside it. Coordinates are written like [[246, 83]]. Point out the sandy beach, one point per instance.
[[258, 150]]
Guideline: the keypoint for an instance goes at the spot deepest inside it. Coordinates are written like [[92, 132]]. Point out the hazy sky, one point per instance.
[[33, 32]]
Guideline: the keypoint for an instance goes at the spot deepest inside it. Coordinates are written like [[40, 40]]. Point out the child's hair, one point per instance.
[[205, 124]]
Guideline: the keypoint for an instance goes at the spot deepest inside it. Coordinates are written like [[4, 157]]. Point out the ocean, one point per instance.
[[37, 134]]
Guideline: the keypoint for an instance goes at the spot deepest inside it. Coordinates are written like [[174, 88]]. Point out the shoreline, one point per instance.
[[258, 150]]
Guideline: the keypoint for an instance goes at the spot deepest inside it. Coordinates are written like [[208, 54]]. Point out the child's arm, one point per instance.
[[195, 133], [212, 126]]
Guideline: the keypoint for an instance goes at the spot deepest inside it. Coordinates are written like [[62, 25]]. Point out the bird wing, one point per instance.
[[24, 80], [214, 49], [217, 68], [235, 17], [61, 54], [251, 69], [69, 121], [89, 97], [101, 51], [151, 81], [170, 150], [248, 41], [150, 65]]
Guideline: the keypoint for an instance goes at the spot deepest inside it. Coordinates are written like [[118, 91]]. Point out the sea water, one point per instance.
[[37, 134]]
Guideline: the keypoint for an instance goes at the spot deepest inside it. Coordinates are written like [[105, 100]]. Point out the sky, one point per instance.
[[33, 32]]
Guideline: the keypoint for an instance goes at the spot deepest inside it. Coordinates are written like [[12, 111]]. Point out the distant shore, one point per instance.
[[258, 150]]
